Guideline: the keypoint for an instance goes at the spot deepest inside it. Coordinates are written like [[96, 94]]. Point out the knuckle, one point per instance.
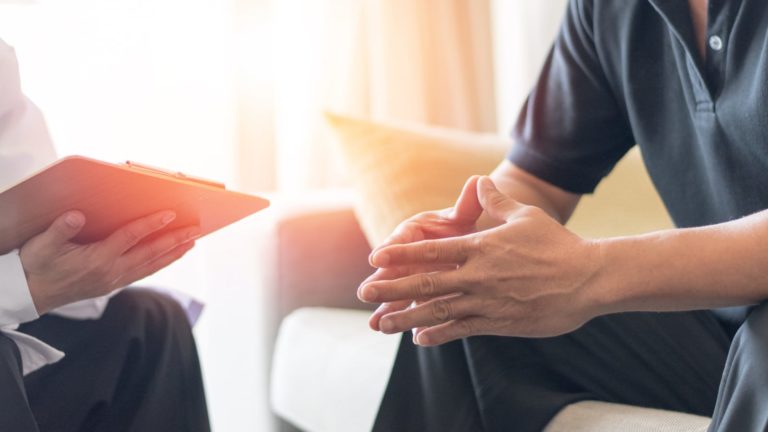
[[442, 311], [130, 236], [426, 286], [529, 211], [466, 328], [430, 252], [152, 251], [478, 244]]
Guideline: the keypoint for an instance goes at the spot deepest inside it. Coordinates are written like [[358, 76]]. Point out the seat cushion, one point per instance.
[[330, 371]]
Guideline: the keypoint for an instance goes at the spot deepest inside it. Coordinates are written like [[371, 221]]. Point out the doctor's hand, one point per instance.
[[60, 271], [456, 221], [529, 277]]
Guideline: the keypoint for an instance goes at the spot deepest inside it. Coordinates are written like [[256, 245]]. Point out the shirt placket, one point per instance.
[[716, 46]]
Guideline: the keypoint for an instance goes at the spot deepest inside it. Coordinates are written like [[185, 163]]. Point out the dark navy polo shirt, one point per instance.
[[626, 72]]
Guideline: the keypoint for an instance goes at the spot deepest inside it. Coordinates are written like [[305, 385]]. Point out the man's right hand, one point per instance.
[[459, 220], [60, 271]]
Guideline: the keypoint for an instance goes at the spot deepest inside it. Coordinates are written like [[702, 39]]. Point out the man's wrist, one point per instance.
[[628, 273]]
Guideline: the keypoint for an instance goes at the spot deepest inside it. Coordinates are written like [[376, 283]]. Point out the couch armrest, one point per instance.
[[321, 258]]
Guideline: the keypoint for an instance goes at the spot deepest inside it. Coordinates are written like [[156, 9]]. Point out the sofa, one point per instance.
[[318, 382]]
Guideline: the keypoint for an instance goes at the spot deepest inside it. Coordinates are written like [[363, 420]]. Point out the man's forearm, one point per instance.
[[686, 269]]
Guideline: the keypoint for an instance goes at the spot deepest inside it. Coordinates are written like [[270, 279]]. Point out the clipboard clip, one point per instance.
[[178, 175]]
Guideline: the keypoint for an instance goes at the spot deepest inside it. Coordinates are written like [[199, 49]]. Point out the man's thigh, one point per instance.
[[15, 413], [663, 360], [112, 363]]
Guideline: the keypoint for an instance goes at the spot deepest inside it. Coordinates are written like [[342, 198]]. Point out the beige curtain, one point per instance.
[[427, 61]]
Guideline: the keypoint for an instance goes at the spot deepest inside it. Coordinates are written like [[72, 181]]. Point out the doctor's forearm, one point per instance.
[[686, 269]]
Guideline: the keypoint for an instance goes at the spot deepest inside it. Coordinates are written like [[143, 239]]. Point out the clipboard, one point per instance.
[[111, 195]]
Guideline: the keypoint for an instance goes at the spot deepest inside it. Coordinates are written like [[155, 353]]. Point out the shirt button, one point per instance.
[[715, 43]]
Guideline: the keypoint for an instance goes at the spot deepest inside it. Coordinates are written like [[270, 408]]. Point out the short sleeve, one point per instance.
[[571, 130]]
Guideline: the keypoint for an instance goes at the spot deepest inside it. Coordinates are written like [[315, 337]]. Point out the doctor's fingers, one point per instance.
[[152, 267], [134, 232], [150, 251]]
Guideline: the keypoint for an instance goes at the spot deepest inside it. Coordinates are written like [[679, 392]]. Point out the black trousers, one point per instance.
[[673, 361], [135, 369]]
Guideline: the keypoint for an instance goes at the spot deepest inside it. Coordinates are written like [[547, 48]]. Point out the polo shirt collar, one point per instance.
[[677, 15]]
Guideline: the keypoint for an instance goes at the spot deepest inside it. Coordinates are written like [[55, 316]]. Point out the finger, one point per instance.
[[64, 228], [498, 205], [384, 309], [404, 233], [150, 251], [452, 330], [467, 208], [421, 286], [130, 235], [431, 313], [153, 267], [428, 252], [401, 272]]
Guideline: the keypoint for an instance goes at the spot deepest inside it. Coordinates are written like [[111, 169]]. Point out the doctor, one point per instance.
[[131, 363]]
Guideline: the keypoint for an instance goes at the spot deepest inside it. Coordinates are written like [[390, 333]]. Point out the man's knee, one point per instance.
[[151, 315]]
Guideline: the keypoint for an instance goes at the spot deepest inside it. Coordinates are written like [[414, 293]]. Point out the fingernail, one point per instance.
[[370, 293], [74, 220], [380, 259], [168, 217], [422, 339], [386, 325]]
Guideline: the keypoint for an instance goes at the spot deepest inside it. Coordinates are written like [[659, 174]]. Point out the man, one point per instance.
[[558, 318], [131, 362]]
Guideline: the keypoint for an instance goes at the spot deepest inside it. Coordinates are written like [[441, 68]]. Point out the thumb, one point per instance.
[[495, 203], [64, 228], [467, 208]]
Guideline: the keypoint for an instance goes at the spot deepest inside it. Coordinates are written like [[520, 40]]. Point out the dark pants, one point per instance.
[[673, 361], [135, 369]]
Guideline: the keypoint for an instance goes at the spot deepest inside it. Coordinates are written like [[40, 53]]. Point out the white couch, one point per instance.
[[330, 371]]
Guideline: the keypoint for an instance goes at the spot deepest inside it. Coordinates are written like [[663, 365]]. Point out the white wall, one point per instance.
[[523, 32], [152, 81]]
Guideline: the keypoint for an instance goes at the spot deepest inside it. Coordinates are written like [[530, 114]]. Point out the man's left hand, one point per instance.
[[529, 277]]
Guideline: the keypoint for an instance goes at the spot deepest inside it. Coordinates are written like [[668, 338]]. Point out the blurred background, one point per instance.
[[234, 90]]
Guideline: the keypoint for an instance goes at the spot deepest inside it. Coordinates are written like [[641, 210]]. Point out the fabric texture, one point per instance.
[[669, 361], [311, 396], [134, 369], [626, 72], [400, 169]]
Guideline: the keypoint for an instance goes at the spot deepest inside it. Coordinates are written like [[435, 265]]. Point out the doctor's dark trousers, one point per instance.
[[135, 369], [694, 362]]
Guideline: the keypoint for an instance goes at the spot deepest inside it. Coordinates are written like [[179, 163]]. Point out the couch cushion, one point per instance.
[[330, 372], [401, 169], [592, 416]]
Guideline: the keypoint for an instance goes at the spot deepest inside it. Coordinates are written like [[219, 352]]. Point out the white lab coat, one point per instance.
[[25, 147]]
